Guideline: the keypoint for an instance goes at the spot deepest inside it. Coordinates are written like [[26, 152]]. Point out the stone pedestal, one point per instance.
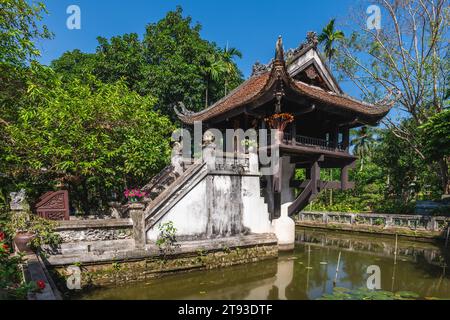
[[284, 229], [137, 216]]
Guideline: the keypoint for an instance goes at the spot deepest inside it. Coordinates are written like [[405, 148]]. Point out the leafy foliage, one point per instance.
[[329, 37], [436, 135], [172, 63], [167, 240], [86, 134], [19, 29]]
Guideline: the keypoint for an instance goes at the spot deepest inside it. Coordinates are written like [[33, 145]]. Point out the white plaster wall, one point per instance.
[[255, 210], [189, 215], [191, 218]]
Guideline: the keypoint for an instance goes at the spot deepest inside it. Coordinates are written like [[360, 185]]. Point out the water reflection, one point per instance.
[[307, 273]]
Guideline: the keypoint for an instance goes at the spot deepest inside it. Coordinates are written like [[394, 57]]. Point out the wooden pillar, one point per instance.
[[293, 132], [346, 138], [344, 178], [315, 176], [334, 136]]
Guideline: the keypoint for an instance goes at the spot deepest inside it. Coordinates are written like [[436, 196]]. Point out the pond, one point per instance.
[[308, 272]]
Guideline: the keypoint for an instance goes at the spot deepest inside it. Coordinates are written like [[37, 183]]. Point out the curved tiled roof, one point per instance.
[[260, 83], [243, 94], [342, 101]]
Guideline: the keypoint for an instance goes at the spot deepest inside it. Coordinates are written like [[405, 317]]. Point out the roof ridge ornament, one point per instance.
[[259, 68], [184, 111], [312, 39], [279, 51]]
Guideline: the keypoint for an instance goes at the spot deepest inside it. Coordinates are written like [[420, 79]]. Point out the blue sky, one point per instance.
[[250, 26]]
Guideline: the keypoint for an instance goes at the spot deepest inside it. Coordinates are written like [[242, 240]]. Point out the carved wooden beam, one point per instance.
[[305, 111]]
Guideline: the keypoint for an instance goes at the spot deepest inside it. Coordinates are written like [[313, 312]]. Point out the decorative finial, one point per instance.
[[259, 68], [311, 38], [279, 52]]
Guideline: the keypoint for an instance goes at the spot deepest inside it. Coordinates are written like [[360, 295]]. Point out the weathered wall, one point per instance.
[[125, 271], [188, 215], [221, 205]]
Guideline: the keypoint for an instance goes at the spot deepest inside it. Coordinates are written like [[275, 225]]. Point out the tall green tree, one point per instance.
[[213, 68], [363, 141], [168, 63], [407, 59], [436, 140], [328, 37], [95, 137], [231, 71], [19, 29]]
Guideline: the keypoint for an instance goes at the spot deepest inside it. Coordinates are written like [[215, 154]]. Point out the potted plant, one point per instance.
[[134, 195], [32, 231]]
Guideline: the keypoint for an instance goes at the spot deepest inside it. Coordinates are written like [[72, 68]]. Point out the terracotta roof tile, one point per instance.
[[241, 95], [342, 101], [256, 85]]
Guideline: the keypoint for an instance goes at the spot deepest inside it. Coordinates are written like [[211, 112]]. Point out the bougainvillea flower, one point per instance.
[[2, 236], [40, 284]]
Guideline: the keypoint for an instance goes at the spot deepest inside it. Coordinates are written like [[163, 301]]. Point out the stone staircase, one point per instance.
[[162, 181], [171, 193]]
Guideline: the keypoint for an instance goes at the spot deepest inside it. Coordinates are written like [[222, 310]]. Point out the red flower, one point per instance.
[[40, 284], [2, 236], [5, 247]]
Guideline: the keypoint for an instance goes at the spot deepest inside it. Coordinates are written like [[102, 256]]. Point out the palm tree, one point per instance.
[[230, 68], [363, 141], [329, 36], [213, 68]]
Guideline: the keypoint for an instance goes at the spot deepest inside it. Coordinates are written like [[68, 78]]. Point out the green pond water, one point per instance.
[[308, 272]]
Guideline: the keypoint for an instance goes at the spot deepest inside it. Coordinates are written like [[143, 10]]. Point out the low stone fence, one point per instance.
[[95, 230], [434, 225]]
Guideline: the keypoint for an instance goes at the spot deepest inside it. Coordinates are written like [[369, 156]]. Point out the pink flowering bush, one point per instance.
[[134, 195]]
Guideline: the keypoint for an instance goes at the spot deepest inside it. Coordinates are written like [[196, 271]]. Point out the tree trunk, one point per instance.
[[85, 197], [206, 94], [443, 166]]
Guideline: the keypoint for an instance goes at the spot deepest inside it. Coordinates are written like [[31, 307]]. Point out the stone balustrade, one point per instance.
[[415, 222]]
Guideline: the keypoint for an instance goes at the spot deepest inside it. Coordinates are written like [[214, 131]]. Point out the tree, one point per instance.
[[408, 57], [363, 141], [436, 139], [176, 60], [167, 64], [122, 57], [95, 137], [329, 36], [231, 71], [213, 68], [75, 64], [19, 28]]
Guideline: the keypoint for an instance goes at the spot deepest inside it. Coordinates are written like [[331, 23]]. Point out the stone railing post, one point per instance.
[[137, 216], [253, 160], [325, 218], [209, 156]]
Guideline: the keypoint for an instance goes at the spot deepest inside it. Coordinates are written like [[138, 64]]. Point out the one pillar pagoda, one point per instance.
[[297, 95]]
